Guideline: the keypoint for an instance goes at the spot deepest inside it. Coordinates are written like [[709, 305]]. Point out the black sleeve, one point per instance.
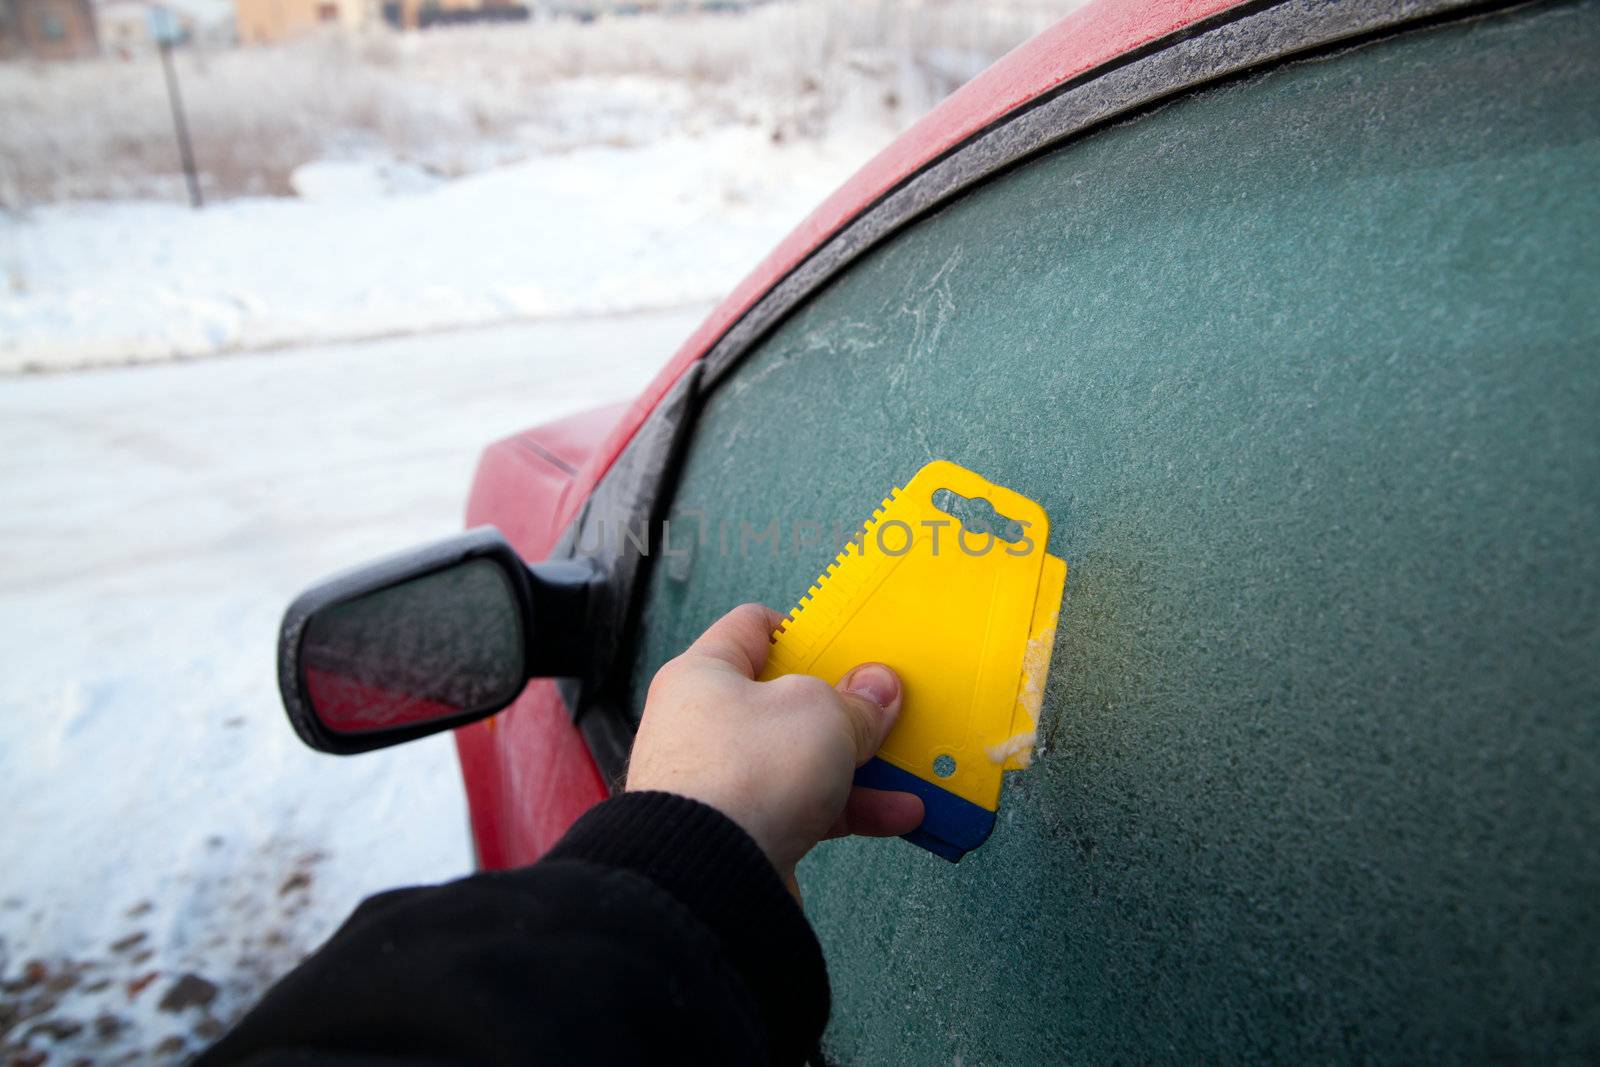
[[656, 931]]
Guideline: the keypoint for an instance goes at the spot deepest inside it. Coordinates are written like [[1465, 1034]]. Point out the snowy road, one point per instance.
[[162, 820]]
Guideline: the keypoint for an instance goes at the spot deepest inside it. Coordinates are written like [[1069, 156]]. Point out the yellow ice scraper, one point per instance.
[[948, 583]]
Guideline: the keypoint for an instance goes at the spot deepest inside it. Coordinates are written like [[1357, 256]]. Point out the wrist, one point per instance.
[[698, 854]]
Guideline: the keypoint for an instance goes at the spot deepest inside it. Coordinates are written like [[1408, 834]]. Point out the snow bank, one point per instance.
[[594, 231]]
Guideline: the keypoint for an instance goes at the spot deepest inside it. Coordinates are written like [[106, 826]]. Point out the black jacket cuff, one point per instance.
[[718, 872]]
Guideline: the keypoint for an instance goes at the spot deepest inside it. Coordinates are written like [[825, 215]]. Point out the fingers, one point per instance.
[[878, 813], [741, 639], [870, 699]]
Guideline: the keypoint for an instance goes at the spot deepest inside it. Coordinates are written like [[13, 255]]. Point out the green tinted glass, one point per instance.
[[1306, 371]]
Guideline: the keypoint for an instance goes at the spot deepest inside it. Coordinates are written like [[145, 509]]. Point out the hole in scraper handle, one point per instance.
[[977, 515]]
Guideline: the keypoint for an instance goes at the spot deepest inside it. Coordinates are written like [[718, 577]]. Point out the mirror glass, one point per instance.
[[429, 647]]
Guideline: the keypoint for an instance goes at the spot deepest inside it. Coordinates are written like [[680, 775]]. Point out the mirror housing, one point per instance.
[[428, 640]]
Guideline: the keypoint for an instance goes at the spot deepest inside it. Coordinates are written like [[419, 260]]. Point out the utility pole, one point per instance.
[[166, 31]]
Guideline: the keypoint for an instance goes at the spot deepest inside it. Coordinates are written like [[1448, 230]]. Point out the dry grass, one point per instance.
[[458, 99]]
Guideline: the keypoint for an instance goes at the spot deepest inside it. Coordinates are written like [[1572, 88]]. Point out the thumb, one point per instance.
[[869, 696]]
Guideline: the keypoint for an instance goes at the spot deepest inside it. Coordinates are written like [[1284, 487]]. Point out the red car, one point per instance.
[[1289, 314]]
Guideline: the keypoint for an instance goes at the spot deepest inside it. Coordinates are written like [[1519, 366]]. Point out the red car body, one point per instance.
[[528, 771]]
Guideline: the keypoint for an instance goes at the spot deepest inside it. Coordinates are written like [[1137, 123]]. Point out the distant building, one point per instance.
[[270, 21], [47, 29]]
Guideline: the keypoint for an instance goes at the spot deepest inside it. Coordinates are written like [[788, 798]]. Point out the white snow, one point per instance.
[[353, 182], [157, 521], [595, 230]]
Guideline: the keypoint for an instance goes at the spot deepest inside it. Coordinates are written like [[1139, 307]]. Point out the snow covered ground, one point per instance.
[[170, 846], [595, 230]]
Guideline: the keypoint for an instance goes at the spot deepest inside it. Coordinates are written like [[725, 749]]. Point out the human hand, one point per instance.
[[775, 757]]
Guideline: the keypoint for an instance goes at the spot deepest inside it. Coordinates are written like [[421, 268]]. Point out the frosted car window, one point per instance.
[[1305, 369]]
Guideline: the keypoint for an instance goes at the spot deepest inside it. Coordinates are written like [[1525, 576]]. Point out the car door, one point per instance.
[[1301, 354]]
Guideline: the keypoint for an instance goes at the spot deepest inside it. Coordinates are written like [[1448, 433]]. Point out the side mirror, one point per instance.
[[427, 640]]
